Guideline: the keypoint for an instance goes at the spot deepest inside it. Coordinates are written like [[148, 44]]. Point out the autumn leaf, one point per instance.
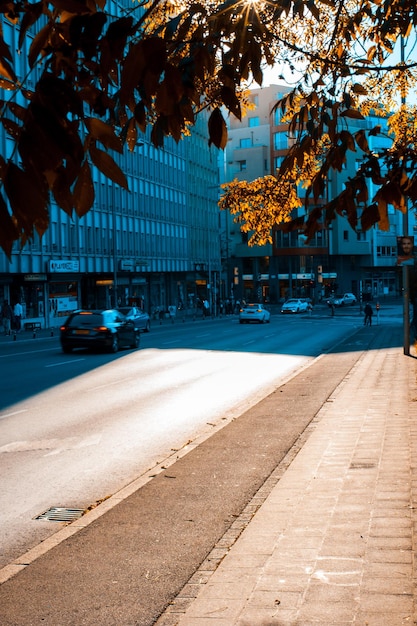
[[104, 133], [84, 191], [107, 166]]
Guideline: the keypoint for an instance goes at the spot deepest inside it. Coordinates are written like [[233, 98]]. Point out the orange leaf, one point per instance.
[[108, 166], [217, 129], [84, 191], [104, 134]]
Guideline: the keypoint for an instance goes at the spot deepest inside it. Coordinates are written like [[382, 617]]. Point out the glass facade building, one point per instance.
[[157, 244]]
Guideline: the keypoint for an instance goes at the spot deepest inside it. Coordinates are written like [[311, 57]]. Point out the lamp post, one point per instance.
[[114, 227]]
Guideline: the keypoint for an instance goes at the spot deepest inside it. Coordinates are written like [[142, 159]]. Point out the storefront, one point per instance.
[[63, 291], [30, 290]]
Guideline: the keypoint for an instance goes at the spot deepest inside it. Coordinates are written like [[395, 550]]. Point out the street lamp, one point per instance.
[[114, 228]]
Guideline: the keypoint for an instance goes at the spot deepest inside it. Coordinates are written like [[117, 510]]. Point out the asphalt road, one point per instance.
[[75, 429], [128, 565]]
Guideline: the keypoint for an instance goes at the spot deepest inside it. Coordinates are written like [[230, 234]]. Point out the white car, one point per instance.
[[254, 313], [342, 299], [295, 305]]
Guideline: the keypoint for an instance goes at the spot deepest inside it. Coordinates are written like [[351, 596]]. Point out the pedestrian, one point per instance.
[[18, 312], [206, 308], [172, 312], [6, 317], [368, 315]]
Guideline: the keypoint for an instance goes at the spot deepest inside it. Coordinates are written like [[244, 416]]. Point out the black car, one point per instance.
[[139, 318], [108, 329]]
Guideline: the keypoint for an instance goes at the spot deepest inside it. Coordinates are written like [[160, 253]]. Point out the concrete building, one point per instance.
[[157, 244], [338, 259]]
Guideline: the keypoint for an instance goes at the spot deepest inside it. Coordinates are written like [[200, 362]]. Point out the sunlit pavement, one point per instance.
[[334, 541]]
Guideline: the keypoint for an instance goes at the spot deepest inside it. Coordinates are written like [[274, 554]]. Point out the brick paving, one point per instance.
[[334, 542]]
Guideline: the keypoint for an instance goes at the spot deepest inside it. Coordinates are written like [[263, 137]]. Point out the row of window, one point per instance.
[[390, 251]]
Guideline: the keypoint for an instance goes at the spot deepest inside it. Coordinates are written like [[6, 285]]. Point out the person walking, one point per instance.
[[368, 315], [6, 317], [18, 312], [206, 308], [172, 310]]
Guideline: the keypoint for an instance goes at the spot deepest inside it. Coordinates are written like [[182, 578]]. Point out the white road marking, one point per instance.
[[64, 362], [2, 417], [7, 356], [109, 384]]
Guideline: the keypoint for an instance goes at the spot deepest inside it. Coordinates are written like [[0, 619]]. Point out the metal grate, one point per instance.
[[60, 514]]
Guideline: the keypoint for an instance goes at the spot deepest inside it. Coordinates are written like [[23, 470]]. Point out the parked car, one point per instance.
[[295, 305], [108, 329], [140, 319], [342, 299], [255, 312]]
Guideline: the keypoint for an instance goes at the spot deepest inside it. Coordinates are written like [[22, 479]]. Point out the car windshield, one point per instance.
[[125, 310], [252, 306], [292, 301]]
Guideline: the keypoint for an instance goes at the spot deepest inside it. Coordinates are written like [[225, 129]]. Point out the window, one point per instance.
[[277, 116], [241, 165], [245, 143], [345, 235], [278, 162], [253, 121], [280, 141], [389, 251]]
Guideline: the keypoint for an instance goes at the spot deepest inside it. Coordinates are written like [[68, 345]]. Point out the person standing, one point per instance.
[[6, 317], [368, 315], [18, 312]]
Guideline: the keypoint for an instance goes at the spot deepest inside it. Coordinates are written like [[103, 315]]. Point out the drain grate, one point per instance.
[[60, 514]]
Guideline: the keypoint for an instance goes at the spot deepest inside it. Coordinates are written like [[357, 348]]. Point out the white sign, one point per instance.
[[66, 304], [64, 266], [126, 265]]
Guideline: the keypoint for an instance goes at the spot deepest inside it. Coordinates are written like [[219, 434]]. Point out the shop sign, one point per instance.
[[64, 266], [34, 277]]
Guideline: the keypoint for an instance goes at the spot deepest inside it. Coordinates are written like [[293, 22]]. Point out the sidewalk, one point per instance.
[[333, 543]]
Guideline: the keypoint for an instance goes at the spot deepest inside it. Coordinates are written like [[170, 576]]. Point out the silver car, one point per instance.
[[139, 318], [342, 299]]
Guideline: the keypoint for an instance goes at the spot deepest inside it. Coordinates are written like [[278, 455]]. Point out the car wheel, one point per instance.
[[114, 347], [136, 343], [66, 349]]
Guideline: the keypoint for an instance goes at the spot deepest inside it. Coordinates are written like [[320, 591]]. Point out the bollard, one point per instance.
[[52, 332], [34, 334], [14, 336]]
